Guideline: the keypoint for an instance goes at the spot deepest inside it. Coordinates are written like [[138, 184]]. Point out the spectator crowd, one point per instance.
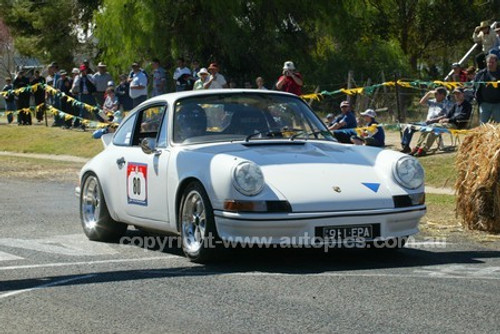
[[98, 88]]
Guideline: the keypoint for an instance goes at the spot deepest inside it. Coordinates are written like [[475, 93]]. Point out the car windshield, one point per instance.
[[245, 116]]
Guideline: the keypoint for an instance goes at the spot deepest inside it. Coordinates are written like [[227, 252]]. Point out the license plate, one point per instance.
[[352, 232]]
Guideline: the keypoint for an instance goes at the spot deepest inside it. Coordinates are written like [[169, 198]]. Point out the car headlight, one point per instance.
[[248, 178], [409, 172]]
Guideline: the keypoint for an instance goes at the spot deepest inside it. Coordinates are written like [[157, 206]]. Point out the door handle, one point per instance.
[[120, 161]]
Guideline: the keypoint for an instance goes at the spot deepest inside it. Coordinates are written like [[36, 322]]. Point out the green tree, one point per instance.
[[426, 30], [42, 29], [248, 38]]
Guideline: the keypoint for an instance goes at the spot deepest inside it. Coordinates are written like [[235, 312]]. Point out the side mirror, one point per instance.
[[148, 146]]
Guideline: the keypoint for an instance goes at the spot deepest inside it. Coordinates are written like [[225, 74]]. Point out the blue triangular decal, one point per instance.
[[372, 186]]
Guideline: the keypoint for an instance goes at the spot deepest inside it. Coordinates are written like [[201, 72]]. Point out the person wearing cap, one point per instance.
[[457, 117], [290, 81], [329, 120], [39, 94], [374, 135], [23, 98], [10, 100], [64, 83], [138, 89], [182, 76], [342, 124], [458, 75], [483, 35], [437, 107], [203, 78], [216, 80], [101, 79], [159, 78], [83, 88]]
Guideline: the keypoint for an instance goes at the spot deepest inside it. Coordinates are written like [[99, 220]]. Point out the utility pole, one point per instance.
[[349, 84], [398, 108]]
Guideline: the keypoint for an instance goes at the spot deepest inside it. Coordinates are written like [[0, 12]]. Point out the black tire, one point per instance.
[[94, 215], [196, 222]]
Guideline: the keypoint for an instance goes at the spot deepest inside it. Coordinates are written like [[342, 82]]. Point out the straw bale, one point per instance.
[[477, 186]]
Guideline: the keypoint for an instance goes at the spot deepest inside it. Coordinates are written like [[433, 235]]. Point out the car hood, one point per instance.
[[317, 176]]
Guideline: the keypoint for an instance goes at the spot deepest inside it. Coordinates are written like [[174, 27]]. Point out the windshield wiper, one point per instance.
[[271, 134], [308, 133]]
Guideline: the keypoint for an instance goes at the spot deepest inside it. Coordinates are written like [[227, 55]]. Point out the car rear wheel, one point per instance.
[[94, 215], [196, 221]]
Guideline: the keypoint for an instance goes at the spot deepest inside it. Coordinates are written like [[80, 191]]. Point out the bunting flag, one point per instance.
[[415, 84], [368, 90], [86, 122]]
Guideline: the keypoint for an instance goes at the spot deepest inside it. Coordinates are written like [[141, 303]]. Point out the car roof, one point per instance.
[[201, 92]]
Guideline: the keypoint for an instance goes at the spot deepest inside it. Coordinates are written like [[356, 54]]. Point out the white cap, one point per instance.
[[111, 83], [203, 70], [369, 112], [288, 65]]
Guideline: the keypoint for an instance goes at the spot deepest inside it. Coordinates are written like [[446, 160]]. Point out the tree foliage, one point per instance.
[[253, 38], [42, 29]]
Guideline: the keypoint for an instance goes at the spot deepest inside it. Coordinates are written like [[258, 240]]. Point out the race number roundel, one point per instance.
[[137, 183]]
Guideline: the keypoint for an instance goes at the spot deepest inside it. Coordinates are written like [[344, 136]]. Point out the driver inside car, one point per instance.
[[190, 121]]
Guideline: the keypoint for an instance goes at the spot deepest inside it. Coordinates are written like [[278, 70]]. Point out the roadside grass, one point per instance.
[[48, 140], [441, 221], [440, 170], [440, 218], [24, 168]]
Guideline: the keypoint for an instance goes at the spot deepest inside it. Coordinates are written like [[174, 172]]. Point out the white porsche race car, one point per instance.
[[245, 166]]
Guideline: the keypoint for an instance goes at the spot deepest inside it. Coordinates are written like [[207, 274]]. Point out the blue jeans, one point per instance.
[[489, 110], [408, 133]]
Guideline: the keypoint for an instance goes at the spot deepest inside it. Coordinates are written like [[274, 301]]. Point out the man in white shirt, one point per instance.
[[182, 76], [216, 80], [138, 85]]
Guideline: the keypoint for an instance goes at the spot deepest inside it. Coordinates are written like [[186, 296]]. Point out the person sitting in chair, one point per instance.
[[374, 135], [456, 118]]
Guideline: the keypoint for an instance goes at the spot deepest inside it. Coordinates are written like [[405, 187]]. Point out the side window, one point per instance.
[[162, 136], [123, 136], [148, 123]]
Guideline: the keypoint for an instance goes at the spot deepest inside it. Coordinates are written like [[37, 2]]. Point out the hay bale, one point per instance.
[[477, 186]]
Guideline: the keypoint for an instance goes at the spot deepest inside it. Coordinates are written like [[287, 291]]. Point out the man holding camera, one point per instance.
[[216, 80], [484, 36], [291, 80]]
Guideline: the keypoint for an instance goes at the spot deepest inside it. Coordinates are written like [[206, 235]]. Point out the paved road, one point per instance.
[[53, 280]]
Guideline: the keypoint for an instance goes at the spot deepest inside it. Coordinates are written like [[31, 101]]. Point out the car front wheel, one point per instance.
[[94, 215], [197, 224]]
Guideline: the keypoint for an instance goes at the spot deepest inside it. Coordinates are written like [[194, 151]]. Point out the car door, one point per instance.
[[141, 177]]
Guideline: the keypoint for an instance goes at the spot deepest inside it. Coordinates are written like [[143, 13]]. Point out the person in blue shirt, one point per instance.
[[375, 137], [342, 124]]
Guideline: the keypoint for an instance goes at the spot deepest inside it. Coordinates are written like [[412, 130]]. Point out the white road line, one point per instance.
[[9, 257], [43, 286], [70, 245], [88, 263]]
